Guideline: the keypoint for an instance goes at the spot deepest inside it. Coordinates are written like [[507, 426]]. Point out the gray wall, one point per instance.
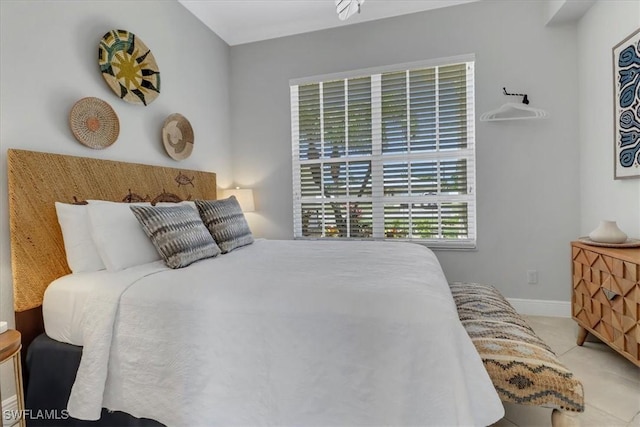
[[602, 197], [49, 61], [527, 171]]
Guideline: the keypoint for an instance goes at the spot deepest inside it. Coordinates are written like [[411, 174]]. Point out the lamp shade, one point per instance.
[[244, 196]]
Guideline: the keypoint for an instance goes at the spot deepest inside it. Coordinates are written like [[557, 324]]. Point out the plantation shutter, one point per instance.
[[386, 154]]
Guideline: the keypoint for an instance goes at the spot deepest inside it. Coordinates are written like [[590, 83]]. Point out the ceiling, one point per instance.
[[245, 21]]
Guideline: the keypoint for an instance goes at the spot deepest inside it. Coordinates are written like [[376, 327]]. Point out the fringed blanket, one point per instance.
[[522, 367]]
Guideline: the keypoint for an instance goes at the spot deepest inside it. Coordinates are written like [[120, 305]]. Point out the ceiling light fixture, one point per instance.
[[346, 8]]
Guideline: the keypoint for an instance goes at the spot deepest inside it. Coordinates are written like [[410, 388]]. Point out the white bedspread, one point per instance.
[[290, 333], [64, 302]]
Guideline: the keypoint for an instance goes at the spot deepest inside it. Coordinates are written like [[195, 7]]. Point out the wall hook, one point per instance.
[[525, 99]]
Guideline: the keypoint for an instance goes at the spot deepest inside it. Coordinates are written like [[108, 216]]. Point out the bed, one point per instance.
[[271, 333]]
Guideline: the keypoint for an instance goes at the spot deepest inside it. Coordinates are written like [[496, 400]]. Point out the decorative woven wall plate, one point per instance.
[[94, 123], [177, 136], [128, 67]]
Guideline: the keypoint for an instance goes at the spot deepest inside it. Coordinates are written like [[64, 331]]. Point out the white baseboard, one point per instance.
[[536, 307], [9, 404]]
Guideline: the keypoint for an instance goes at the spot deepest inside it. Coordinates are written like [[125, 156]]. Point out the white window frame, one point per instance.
[[377, 158]]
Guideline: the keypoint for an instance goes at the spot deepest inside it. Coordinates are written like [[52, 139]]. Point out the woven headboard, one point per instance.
[[37, 180]]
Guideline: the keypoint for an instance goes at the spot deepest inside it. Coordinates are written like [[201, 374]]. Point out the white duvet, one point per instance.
[[290, 333]]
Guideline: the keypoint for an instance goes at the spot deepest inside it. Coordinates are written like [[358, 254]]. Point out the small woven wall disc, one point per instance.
[[94, 123], [177, 136]]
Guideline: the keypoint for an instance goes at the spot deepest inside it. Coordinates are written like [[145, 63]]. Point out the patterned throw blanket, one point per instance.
[[522, 367]]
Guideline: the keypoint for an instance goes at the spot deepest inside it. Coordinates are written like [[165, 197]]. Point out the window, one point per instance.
[[386, 154]]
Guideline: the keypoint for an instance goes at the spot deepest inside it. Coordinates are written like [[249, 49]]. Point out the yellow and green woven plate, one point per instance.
[[128, 67]]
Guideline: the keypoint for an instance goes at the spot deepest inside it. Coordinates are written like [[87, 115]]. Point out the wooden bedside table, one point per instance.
[[10, 345], [606, 296]]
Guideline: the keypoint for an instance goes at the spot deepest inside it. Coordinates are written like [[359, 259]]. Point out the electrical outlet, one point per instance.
[[532, 277]]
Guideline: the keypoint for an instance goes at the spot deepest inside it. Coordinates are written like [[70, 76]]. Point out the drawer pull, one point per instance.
[[609, 294]]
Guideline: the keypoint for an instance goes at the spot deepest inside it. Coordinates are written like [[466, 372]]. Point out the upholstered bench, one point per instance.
[[522, 367]]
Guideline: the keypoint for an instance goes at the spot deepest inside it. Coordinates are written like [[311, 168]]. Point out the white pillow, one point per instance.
[[120, 239], [82, 253]]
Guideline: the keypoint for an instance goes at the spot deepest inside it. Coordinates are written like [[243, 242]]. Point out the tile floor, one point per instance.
[[611, 383]]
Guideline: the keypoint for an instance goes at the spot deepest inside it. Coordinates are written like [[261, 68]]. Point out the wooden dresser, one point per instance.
[[606, 296]]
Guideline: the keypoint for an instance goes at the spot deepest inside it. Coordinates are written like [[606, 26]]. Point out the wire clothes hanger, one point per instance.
[[514, 111]]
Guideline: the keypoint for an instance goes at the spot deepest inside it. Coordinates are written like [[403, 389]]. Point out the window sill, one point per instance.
[[434, 246]]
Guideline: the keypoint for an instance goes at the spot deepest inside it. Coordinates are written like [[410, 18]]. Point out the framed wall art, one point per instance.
[[626, 105]]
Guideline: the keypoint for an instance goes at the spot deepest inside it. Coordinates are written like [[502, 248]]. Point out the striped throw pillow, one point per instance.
[[177, 232], [226, 223]]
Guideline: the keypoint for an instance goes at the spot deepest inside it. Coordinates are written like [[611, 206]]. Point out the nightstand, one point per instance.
[[606, 296], [10, 345]]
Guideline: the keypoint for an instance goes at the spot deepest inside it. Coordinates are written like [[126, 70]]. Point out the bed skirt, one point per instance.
[[51, 367]]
